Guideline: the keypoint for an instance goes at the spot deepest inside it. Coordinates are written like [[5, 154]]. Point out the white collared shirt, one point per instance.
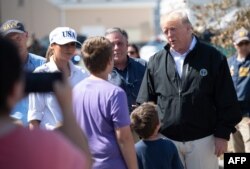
[[44, 106], [179, 58]]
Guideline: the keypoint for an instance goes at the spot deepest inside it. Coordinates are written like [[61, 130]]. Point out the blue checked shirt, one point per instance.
[[21, 109]]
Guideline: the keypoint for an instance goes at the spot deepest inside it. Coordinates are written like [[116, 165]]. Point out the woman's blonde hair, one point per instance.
[[49, 53]]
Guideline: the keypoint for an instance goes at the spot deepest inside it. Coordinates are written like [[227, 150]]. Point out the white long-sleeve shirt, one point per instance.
[[179, 58], [44, 106]]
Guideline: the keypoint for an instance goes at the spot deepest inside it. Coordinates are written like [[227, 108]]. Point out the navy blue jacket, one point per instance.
[[240, 72], [130, 79]]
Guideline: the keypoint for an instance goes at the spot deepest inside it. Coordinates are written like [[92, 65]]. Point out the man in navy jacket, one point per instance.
[[239, 67]]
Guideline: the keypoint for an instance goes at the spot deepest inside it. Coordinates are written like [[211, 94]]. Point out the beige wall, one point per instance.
[[40, 17], [133, 20]]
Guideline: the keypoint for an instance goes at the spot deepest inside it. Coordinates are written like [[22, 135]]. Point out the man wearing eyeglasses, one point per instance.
[[240, 70]]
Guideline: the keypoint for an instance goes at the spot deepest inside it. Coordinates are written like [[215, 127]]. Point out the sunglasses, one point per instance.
[[71, 44], [131, 52], [243, 43]]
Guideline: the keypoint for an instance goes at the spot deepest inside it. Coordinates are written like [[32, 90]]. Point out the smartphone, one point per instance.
[[41, 82]]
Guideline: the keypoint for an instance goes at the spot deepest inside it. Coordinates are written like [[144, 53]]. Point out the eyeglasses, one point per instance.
[[243, 43]]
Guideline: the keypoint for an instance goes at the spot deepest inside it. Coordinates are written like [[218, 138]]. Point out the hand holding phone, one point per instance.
[[41, 82]]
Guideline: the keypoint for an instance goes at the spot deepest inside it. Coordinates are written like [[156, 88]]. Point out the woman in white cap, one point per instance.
[[44, 110]]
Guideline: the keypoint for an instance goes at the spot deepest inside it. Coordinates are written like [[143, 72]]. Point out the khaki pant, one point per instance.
[[241, 138], [198, 154]]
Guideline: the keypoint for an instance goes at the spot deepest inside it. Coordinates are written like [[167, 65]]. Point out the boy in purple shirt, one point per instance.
[[101, 110]]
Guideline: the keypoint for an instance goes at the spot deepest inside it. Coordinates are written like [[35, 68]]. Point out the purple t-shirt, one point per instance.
[[100, 107]]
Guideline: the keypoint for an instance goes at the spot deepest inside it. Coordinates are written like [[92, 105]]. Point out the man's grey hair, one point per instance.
[[176, 14], [117, 29]]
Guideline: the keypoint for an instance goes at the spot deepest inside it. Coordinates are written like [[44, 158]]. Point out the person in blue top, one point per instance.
[[15, 31], [239, 65], [127, 72], [153, 152]]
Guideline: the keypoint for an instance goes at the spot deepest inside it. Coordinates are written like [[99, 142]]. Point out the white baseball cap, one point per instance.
[[63, 35]]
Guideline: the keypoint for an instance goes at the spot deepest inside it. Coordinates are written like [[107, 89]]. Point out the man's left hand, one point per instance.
[[220, 146]]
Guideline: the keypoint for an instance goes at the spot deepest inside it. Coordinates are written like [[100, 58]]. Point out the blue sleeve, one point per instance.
[[139, 155], [176, 163], [139, 161]]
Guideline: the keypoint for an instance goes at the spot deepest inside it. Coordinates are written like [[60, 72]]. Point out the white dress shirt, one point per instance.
[[44, 106], [179, 58]]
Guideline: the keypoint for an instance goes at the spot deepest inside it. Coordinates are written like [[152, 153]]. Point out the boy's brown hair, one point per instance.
[[97, 53], [144, 120]]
